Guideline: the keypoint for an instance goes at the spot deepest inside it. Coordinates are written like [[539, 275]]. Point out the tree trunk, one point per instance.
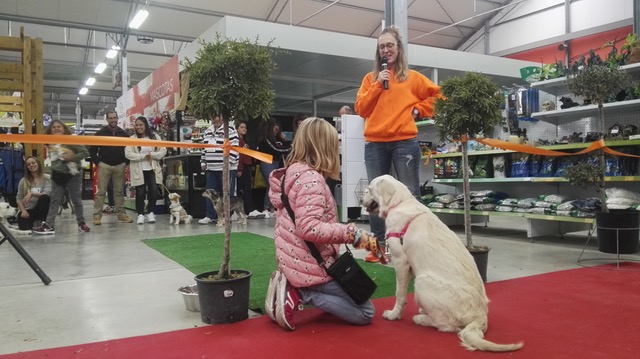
[[602, 162], [466, 188], [225, 270]]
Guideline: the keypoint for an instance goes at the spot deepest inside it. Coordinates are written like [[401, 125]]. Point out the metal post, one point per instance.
[[78, 113], [7, 236], [567, 30], [636, 16], [123, 74]]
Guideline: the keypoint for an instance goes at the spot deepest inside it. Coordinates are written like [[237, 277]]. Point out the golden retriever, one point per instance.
[[448, 287]]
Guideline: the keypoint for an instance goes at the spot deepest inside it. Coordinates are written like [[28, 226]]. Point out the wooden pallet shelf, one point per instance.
[[26, 77]]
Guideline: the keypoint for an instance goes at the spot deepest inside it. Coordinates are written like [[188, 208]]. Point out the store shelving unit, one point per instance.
[[538, 224]]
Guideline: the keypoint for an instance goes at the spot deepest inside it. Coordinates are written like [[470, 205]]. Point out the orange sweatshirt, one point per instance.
[[388, 113]]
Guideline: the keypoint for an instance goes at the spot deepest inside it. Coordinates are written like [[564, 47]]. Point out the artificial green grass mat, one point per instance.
[[252, 252]]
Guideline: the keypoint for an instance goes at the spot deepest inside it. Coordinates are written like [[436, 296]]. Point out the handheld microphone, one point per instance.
[[385, 83]]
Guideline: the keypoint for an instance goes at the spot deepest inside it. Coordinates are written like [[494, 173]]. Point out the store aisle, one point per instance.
[[107, 284]]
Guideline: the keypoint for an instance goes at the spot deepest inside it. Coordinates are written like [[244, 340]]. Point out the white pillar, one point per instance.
[[395, 13]]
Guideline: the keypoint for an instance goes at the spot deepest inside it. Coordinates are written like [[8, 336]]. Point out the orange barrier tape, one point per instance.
[[125, 141], [596, 145]]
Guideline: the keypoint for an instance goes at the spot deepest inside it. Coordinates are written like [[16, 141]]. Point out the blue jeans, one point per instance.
[[331, 298], [214, 182], [405, 157]]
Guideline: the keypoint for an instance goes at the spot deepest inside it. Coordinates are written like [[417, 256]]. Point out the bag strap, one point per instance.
[[285, 200]]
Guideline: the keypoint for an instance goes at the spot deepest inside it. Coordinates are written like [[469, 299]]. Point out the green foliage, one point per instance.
[[584, 174], [471, 105], [552, 71], [598, 82], [232, 78], [630, 44]]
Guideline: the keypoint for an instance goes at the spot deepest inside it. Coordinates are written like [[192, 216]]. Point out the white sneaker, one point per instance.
[[266, 214], [151, 218], [255, 213], [270, 300], [140, 219], [205, 220]]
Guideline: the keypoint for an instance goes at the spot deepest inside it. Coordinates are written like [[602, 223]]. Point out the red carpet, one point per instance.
[[578, 313]]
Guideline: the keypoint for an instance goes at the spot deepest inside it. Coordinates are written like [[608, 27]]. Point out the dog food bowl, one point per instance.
[[190, 297]]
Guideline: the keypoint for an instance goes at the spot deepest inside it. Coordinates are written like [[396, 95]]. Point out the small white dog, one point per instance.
[[7, 211], [448, 287], [178, 213]]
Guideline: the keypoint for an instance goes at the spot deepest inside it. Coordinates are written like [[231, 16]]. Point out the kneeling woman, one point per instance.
[[300, 278], [33, 195]]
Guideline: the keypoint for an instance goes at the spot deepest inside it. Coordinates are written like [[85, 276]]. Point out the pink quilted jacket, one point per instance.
[[316, 221]]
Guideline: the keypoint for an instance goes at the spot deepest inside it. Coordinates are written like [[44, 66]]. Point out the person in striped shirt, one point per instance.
[[211, 162]]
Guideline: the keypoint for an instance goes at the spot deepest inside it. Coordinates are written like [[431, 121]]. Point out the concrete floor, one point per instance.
[[107, 284]]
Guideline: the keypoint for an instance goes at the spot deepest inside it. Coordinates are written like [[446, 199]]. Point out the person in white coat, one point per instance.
[[145, 170]]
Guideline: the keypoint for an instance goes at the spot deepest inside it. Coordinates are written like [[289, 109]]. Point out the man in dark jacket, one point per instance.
[[111, 164]]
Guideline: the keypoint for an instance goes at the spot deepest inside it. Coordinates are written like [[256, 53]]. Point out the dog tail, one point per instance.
[[472, 337]]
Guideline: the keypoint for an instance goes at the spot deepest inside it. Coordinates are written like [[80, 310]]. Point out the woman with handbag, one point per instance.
[[145, 170], [301, 279], [66, 175]]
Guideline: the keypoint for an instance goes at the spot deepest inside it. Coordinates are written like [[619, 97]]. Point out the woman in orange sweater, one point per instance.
[[390, 99]]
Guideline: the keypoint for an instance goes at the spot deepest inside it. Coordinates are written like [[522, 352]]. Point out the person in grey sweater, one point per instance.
[[66, 175]]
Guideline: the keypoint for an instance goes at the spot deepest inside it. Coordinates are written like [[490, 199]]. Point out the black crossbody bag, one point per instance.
[[345, 270]]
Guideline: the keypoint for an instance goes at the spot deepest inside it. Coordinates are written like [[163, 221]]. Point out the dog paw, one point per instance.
[[392, 315], [422, 319]]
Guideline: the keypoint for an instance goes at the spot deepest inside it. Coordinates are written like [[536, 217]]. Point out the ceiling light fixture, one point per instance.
[[113, 51], [90, 81], [145, 39], [83, 91], [100, 68], [141, 15]]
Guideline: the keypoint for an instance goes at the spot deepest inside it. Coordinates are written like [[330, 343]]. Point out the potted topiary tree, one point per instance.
[[617, 232], [599, 82], [470, 106], [231, 78]]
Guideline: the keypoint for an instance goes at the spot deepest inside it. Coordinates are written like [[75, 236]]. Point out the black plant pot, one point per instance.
[[224, 301], [481, 257], [619, 226]]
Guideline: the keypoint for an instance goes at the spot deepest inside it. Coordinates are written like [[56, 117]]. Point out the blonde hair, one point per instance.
[[401, 66], [316, 144]]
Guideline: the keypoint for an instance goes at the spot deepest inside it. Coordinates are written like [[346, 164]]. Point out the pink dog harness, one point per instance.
[[400, 235]]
